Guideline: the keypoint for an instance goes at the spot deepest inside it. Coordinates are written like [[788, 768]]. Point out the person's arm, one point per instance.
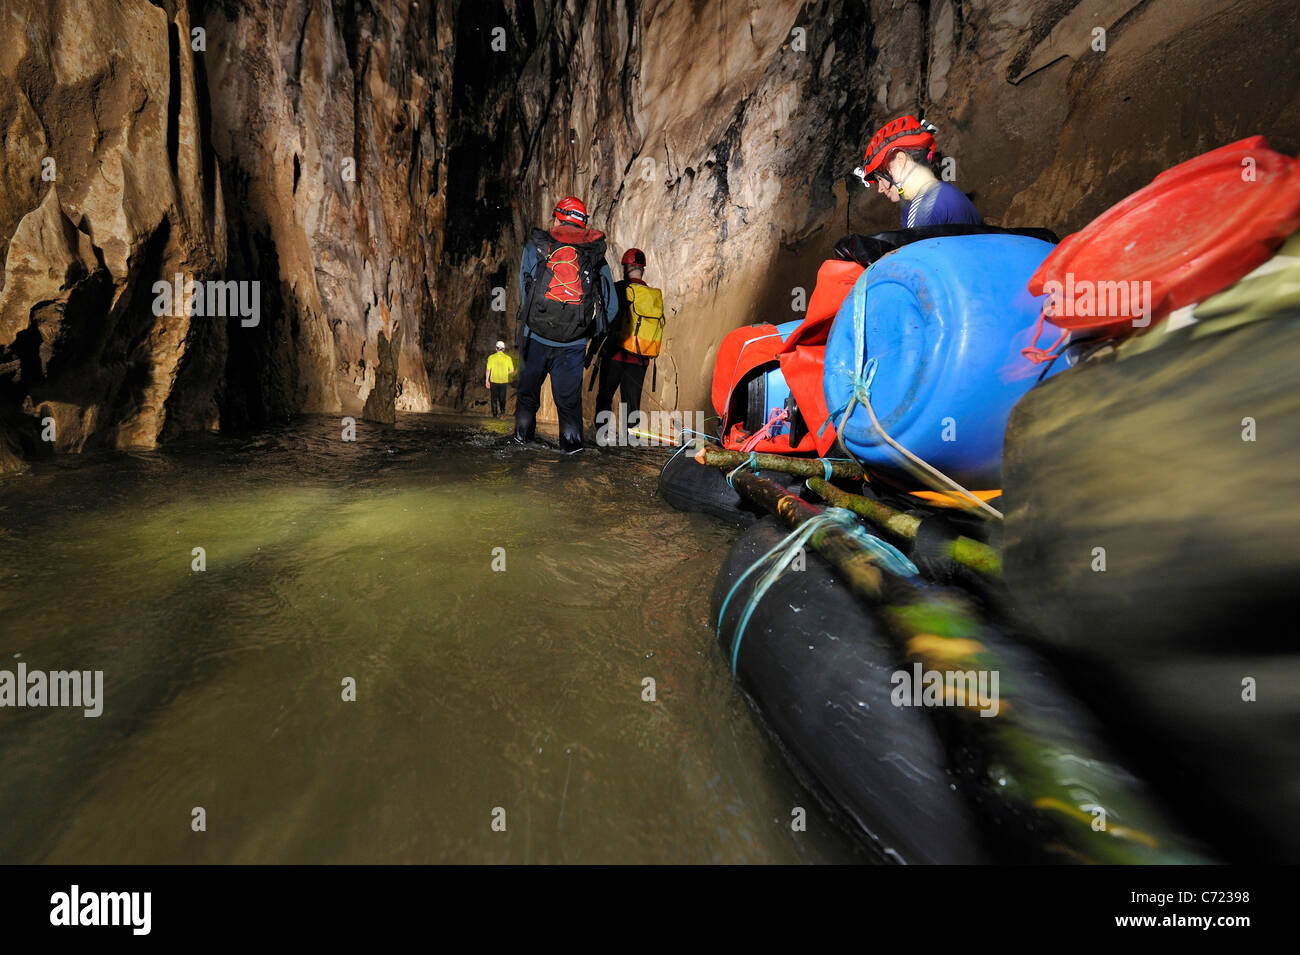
[[487, 375], [611, 295]]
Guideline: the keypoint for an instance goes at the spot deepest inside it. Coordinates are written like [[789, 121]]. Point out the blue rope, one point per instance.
[[862, 375], [674, 455], [886, 555], [861, 393], [700, 434], [791, 545], [686, 444], [787, 548], [752, 464]]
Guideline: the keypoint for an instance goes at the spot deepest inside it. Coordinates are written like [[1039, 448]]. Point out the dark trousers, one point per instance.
[[498, 389], [627, 378], [564, 365]]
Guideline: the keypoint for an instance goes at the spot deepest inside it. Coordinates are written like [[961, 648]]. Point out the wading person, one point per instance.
[[568, 297], [900, 162], [638, 336], [500, 367]]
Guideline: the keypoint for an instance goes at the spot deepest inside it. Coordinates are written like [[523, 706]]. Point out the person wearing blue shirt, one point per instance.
[[934, 202], [900, 162], [569, 297]]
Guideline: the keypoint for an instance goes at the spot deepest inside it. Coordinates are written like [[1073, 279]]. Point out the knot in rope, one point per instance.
[[751, 463]]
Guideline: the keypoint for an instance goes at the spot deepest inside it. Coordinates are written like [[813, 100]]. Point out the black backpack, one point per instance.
[[563, 297], [866, 249]]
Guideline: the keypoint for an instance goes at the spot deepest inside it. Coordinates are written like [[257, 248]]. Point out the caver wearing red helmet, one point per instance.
[[572, 210], [899, 161], [637, 340], [906, 133], [568, 300]]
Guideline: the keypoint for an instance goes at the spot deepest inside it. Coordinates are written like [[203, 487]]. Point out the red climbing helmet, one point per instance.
[[572, 210], [906, 132], [634, 259]]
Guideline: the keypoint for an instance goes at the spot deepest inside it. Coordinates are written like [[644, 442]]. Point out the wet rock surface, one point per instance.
[[374, 167]]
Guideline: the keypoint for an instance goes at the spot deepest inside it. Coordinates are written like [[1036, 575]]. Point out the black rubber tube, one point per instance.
[[818, 668], [690, 486]]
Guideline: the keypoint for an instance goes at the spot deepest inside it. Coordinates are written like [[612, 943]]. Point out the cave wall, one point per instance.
[[294, 143], [375, 165], [106, 187], [329, 120]]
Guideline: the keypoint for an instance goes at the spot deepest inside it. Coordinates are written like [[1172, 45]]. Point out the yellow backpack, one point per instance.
[[643, 329]]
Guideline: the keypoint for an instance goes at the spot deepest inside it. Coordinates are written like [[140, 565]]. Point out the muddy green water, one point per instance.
[[476, 689]]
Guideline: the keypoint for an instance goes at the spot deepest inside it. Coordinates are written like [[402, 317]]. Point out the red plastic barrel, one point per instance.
[[1195, 230]]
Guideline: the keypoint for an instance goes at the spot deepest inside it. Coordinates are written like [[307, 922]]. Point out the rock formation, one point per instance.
[[374, 164]]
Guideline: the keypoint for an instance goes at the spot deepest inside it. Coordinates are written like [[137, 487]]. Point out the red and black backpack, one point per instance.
[[563, 296]]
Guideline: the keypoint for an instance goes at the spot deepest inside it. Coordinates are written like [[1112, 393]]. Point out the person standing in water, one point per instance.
[[568, 297], [639, 336], [500, 367], [900, 162]]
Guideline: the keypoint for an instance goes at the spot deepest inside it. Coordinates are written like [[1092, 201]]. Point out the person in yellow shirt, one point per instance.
[[500, 369]]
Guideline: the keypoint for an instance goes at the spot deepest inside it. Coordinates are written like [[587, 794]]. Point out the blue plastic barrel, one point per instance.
[[945, 320]]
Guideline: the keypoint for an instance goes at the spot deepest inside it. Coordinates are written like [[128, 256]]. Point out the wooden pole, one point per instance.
[[802, 467]]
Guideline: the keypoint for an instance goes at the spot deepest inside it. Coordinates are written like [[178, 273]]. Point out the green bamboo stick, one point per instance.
[[895, 521], [802, 467], [971, 553]]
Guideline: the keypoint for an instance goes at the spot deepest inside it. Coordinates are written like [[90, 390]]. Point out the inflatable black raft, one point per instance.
[[920, 784], [816, 665]]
